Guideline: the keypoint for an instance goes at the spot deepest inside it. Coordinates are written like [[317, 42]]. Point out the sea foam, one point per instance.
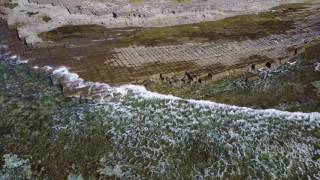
[[103, 91]]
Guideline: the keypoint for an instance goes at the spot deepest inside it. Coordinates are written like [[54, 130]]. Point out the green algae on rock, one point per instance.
[[288, 87], [277, 21]]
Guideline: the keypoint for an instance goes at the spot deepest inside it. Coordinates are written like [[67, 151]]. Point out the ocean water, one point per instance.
[[155, 135]]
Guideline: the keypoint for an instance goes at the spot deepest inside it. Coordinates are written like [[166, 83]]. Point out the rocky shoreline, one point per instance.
[[61, 119], [45, 136], [116, 62], [292, 86], [34, 17]]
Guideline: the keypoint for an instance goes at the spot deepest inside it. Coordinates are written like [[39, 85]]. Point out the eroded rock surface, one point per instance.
[[35, 16]]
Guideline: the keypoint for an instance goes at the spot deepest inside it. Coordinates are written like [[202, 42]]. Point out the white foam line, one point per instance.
[[22, 61], [47, 68], [317, 66], [313, 116], [13, 57], [73, 80], [9, 57], [141, 91], [76, 82]]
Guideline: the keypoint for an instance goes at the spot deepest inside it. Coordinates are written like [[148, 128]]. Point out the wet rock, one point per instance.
[[115, 15], [316, 84]]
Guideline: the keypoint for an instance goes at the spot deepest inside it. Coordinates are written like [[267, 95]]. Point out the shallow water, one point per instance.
[[154, 135]]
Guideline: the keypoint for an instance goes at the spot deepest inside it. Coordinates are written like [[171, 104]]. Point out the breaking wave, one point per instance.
[[161, 135], [103, 93]]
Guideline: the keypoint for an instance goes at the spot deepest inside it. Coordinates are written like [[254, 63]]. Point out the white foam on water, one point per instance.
[[22, 61], [47, 68], [313, 116], [13, 57], [75, 81], [317, 66], [143, 92], [72, 79], [176, 122], [292, 63], [103, 90], [68, 77]]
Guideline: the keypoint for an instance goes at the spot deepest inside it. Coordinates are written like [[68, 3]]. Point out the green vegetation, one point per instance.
[[293, 7], [234, 28], [32, 13], [184, 1], [136, 1], [277, 21], [292, 90], [72, 31], [10, 5], [46, 18]]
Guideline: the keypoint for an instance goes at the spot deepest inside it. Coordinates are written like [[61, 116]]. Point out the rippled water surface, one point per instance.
[[129, 132]]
